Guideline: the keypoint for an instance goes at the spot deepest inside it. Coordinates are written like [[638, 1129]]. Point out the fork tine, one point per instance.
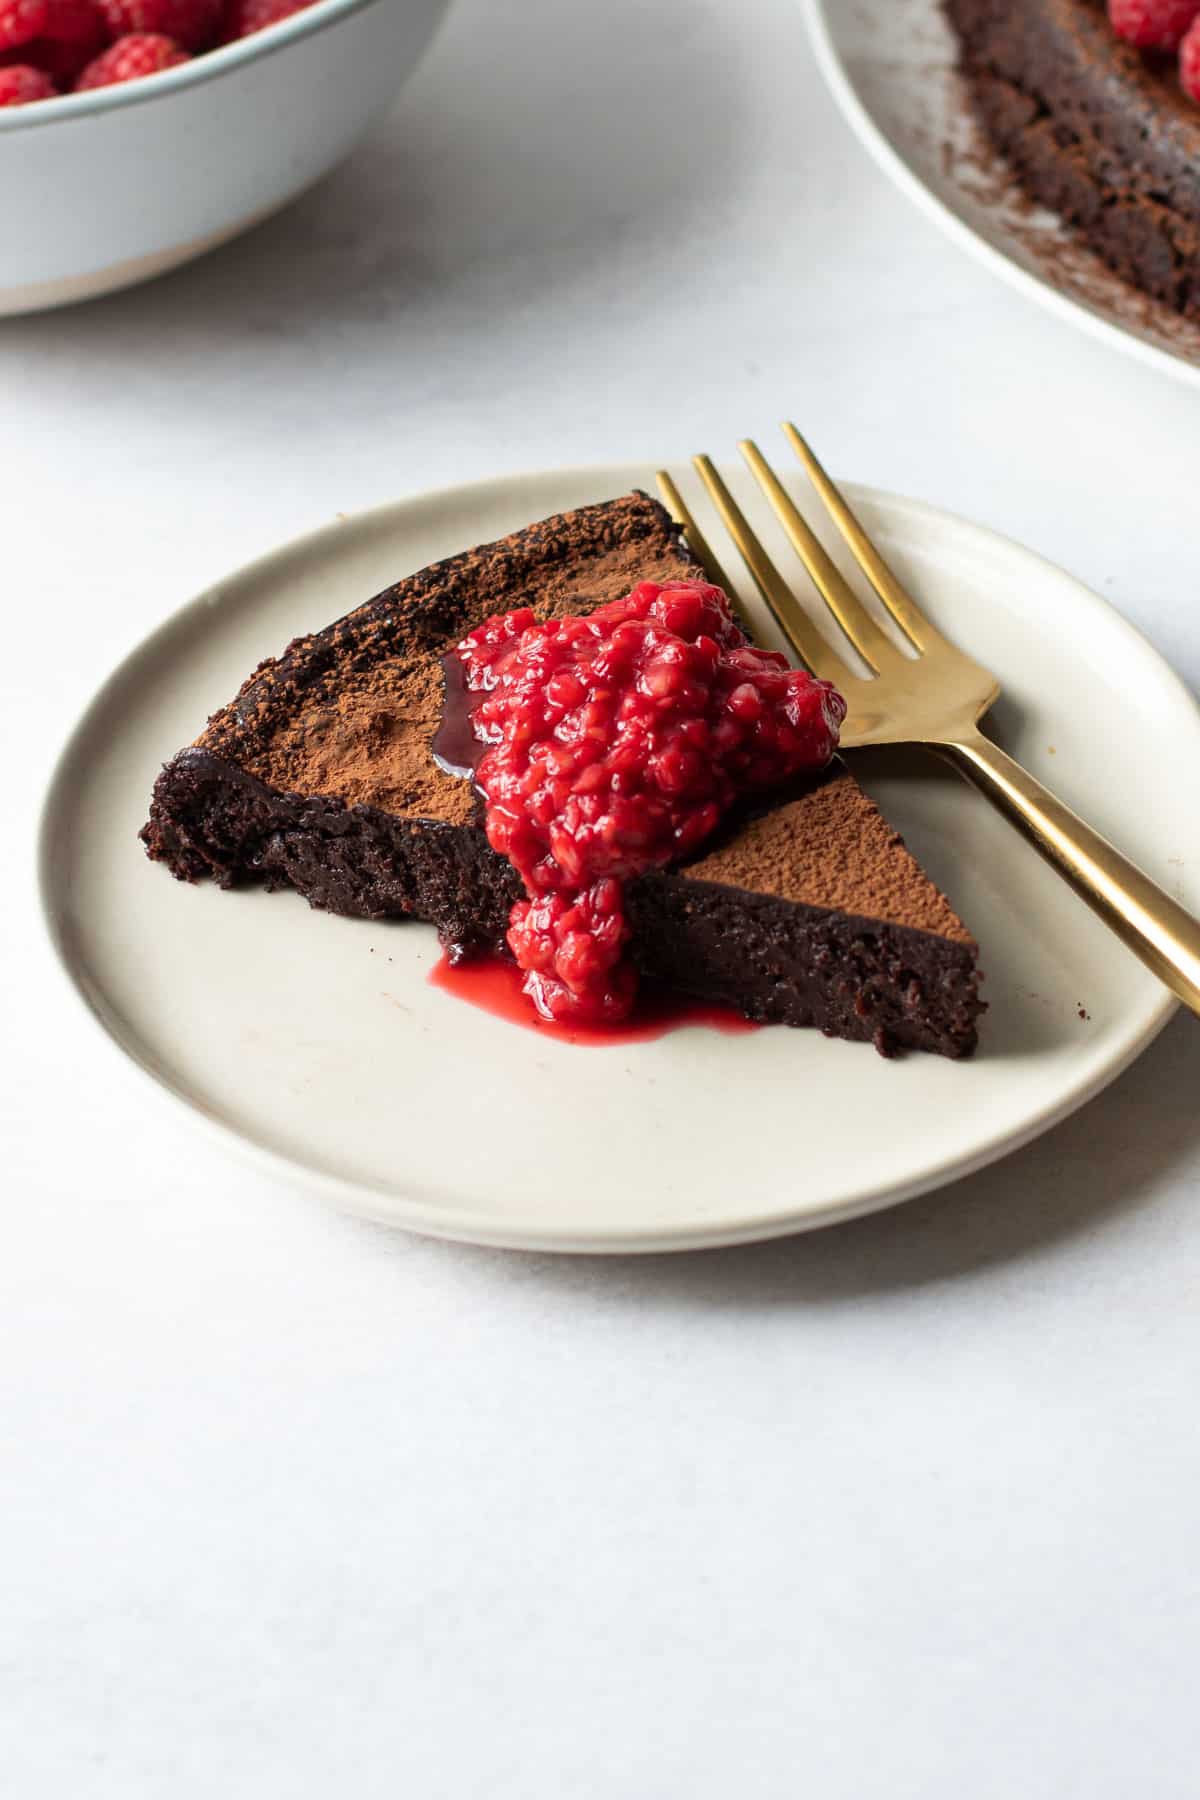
[[870, 642], [899, 602], [790, 616], [698, 544]]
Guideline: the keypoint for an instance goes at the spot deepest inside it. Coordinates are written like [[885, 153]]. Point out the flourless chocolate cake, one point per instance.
[[319, 775], [1096, 129]]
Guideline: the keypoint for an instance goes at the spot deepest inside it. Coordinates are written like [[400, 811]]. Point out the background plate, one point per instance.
[[890, 64], [317, 1044]]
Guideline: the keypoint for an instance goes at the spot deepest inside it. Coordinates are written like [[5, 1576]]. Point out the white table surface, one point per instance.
[[295, 1507]]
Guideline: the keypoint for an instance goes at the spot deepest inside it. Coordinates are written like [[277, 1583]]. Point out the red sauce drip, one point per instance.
[[496, 987]]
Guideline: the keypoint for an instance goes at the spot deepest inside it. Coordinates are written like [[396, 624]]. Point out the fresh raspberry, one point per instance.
[[129, 59], [19, 83], [1189, 62], [1152, 24], [73, 22], [21, 21], [69, 35], [616, 742], [245, 16], [73, 32], [61, 62], [192, 23]]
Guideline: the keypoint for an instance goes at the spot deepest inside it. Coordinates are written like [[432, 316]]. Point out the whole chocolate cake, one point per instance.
[[319, 775], [1097, 130]]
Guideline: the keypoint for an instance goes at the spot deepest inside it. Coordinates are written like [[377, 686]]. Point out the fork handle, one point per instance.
[[1155, 927]]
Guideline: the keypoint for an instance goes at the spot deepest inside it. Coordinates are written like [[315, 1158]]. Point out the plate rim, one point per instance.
[[465, 1224], [1034, 287]]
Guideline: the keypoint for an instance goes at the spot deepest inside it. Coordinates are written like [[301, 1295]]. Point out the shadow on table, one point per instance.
[[1079, 1178], [594, 129]]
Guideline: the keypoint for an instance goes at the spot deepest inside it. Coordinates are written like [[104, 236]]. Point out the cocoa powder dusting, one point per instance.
[[369, 745], [366, 737], [832, 847], [351, 712]]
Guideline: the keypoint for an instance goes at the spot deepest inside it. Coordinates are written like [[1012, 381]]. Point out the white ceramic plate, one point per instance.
[[317, 1044], [890, 64]]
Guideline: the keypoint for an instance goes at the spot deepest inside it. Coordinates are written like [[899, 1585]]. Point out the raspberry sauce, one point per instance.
[[495, 986], [610, 744]]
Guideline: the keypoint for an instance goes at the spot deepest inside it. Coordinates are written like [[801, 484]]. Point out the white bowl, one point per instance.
[[109, 187]]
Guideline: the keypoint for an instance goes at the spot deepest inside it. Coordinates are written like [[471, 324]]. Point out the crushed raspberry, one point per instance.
[[21, 21], [1152, 24], [19, 84], [192, 23], [129, 59], [242, 17], [1189, 62], [615, 744]]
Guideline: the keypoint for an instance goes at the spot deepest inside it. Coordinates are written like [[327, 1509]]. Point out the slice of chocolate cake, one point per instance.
[[1095, 129], [319, 775]]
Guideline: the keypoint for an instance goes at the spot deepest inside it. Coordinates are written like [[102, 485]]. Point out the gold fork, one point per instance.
[[935, 698]]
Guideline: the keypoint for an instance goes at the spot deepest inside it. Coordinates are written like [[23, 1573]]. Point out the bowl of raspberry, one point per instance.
[[137, 134]]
